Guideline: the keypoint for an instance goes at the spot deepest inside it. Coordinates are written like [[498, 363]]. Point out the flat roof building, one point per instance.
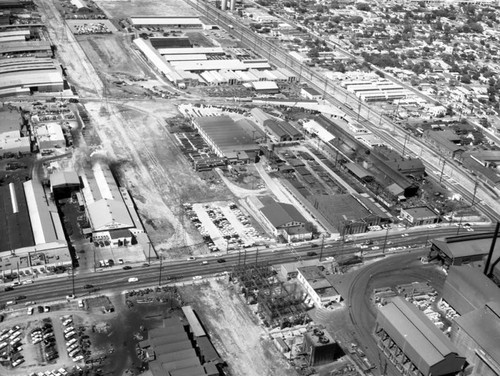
[[419, 216], [168, 22], [313, 279], [413, 343], [227, 138]]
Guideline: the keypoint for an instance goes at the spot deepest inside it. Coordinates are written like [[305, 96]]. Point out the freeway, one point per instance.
[[117, 279], [365, 114]]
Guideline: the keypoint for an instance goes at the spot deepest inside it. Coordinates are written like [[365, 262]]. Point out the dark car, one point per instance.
[[20, 297], [127, 267], [221, 260], [311, 253], [8, 288], [88, 286], [145, 264]]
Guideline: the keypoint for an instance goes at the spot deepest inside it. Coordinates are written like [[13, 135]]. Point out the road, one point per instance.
[[116, 279]]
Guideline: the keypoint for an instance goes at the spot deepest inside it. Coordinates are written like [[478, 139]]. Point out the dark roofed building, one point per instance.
[[63, 183], [191, 371], [467, 288], [476, 336], [207, 350], [310, 93], [407, 166], [447, 142], [320, 347], [358, 171], [483, 164], [177, 355], [412, 342], [170, 42], [464, 249], [285, 220], [15, 224], [347, 213]]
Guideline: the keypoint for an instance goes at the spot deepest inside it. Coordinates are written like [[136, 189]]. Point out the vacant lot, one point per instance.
[[153, 168], [240, 340]]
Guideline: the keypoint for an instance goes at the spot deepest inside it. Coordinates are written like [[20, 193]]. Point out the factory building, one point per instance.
[[281, 130], [12, 142], [64, 183], [475, 329], [31, 232], [227, 138], [467, 249], [310, 93], [407, 166], [413, 343], [34, 48]]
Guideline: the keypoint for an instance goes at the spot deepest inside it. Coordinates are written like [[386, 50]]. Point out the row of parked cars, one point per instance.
[[71, 337], [11, 346], [46, 338]]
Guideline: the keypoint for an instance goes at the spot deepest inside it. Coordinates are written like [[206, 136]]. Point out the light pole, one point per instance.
[[159, 278], [385, 239]]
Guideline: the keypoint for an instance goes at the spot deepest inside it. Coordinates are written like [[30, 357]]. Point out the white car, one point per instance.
[[133, 279], [197, 277]]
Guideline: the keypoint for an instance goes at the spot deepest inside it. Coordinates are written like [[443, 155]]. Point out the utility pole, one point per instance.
[[149, 253], [385, 239], [94, 261], [404, 145], [159, 278], [73, 279], [322, 246], [442, 171], [475, 191]]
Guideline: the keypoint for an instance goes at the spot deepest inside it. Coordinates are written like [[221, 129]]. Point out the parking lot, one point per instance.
[[223, 226]]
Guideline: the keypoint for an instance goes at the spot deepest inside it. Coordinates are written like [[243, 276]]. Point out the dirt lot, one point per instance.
[[124, 9], [153, 168], [235, 332]]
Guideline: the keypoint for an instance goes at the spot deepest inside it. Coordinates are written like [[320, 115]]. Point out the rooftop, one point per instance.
[[467, 245], [280, 214], [422, 212]]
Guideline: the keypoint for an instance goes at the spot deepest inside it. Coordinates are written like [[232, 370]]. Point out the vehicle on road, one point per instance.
[[133, 279], [204, 263], [405, 235], [191, 258], [145, 264], [20, 297], [127, 267], [221, 260], [88, 286], [197, 277], [312, 254]]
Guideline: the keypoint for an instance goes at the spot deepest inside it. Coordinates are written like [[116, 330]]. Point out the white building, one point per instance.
[[319, 289], [12, 142], [49, 135]]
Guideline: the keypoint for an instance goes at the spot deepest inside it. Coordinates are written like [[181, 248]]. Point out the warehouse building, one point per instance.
[[31, 232], [310, 93], [166, 22], [64, 183], [407, 166], [227, 138], [109, 209], [281, 130], [285, 220], [35, 48], [413, 343], [28, 75]]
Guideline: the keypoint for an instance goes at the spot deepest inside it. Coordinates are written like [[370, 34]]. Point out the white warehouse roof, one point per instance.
[[108, 214], [154, 57], [189, 51], [137, 21], [232, 64]]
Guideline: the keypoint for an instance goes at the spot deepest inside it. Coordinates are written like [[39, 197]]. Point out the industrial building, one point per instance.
[[317, 286], [285, 220], [227, 138], [166, 22], [180, 348], [35, 48], [379, 90], [49, 135], [12, 142], [281, 130], [467, 249], [419, 216], [310, 93], [28, 75], [407, 166], [64, 183], [475, 329], [320, 347], [31, 231], [349, 213], [446, 142], [109, 209], [413, 343]]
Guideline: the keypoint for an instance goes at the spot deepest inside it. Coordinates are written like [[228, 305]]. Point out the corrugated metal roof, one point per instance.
[[231, 64], [177, 355], [181, 363], [191, 51], [413, 332], [63, 178], [167, 21]]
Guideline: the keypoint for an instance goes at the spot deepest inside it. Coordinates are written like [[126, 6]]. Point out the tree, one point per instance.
[[465, 79], [363, 7]]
